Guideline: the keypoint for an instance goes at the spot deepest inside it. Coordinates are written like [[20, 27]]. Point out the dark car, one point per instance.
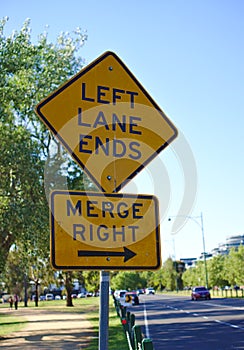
[[200, 293], [132, 297], [140, 291]]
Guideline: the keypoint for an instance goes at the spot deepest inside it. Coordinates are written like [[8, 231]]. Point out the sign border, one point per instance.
[[78, 76], [109, 195]]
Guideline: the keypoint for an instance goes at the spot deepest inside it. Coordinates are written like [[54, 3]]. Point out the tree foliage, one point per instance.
[[21, 192], [223, 270], [91, 280], [216, 275], [128, 281], [169, 275], [234, 266], [28, 73]]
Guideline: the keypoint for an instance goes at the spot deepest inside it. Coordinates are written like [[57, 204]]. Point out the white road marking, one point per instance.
[[227, 306], [146, 321], [207, 318], [228, 324]]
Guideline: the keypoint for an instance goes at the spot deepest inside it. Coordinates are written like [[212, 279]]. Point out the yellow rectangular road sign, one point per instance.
[[107, 121], [102, 231]]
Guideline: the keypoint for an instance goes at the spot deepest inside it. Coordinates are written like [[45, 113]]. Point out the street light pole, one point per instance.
[[204, 251], [203, 239]]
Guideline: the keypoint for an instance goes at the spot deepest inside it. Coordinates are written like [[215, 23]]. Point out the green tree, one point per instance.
[[21, 192], [158, 280], [216, 275], [190, 277], [128, 281], [149, 278], [30, 275], [234, 266], [91, 280], [169, 275], [28, 73], [15, 281]]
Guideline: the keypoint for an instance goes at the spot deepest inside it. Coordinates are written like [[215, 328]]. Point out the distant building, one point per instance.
[[189, 262], [231, 242], [207, 256], [223, 249]]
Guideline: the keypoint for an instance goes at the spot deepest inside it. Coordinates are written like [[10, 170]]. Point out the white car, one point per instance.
[[81, 295], [150, 290], [120, 294], [49, 296]]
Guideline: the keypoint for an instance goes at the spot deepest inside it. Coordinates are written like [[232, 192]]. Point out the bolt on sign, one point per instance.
[[91, 230], [107, 121]]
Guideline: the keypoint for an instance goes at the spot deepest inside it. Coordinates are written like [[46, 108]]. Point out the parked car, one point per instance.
[[140, 291], [200, 293], [150, 290], [81, 295], [118, 294], [4, 298], [132, 297], [49, 296]]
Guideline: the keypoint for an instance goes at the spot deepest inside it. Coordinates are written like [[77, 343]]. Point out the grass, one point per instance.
[[87, 306], [10, 324], [116, 334]]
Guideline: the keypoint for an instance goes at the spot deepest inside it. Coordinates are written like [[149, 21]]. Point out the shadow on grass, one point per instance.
[[13, 323]]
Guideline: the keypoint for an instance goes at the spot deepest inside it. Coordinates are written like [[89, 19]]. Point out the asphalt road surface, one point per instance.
[[175, 323]]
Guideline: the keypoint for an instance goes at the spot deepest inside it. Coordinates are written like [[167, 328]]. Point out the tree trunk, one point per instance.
[[69, 287], [7, 240], [36, 292]]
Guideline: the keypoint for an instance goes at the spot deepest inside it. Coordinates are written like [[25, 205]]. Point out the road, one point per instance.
[[175, 323]]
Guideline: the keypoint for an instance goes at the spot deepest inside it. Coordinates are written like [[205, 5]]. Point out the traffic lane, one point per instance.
[[178, 323], [226, 309], [229, 315], [219, 310]]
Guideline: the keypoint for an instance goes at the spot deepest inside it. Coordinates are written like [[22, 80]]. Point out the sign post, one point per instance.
[[104, 310], [112, 128]]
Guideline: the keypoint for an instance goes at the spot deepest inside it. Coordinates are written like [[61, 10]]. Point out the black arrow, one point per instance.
[[127, 253]]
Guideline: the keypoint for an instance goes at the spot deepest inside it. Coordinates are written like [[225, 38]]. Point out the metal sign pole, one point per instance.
[[104, 310]]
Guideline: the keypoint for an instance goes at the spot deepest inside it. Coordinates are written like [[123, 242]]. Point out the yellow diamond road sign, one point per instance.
[[101, 231], [107, 121]]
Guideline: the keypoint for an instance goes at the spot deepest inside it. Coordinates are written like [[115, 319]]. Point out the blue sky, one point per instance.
[[189, 56]]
